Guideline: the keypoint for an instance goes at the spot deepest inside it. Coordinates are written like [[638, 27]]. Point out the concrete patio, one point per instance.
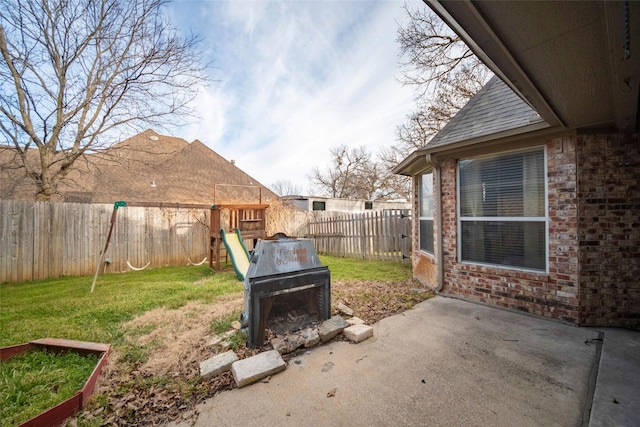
[[450, 362]]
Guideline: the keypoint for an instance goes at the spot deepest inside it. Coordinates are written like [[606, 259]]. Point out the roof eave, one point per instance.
[[412, 164], [516, 138], [505, 65], [576, 63]]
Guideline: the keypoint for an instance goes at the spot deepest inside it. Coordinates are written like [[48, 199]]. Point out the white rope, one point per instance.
[[200, 263], [137, 269]]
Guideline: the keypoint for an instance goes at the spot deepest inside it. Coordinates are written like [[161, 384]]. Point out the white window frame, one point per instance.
[[427, 218], [544, 219]]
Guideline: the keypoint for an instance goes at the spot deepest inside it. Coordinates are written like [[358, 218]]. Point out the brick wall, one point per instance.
[[553, 295], [609, 218], [594, 239]]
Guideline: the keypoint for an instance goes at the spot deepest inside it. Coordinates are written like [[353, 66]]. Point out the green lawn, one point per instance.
[[65, 308], [358, 269], [35, 381]]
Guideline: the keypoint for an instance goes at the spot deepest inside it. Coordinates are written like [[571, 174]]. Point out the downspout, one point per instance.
[[433, 161]]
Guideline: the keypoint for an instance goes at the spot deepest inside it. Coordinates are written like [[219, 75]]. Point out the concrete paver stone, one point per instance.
[[287, 344], [252, 369], [311, 338], [355, 321], [345, 309], [218, 339], [217, 364], [331, 328], [358, 333]]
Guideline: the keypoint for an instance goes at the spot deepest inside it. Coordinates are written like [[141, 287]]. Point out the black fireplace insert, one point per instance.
[[285, 279]]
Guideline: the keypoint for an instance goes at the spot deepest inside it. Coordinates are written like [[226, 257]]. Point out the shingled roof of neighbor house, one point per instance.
[[154, 168]]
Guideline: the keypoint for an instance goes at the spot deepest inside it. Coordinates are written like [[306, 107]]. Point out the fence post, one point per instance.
[[363, 238], [406, 235]]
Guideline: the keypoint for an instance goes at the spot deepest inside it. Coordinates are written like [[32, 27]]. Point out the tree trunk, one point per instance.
[[45, 185]]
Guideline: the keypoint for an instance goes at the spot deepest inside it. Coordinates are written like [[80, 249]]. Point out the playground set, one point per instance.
[[243, 222], [283, 277], [249, 220]]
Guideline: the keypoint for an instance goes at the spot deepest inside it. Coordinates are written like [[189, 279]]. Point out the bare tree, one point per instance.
[[355, 173], [430, 51], [73, 72], [444, 72], [286, 188], [393, 186], [445, 75], [342, 177]]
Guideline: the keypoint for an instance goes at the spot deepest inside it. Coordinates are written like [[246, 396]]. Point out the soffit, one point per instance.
[[566, 59]]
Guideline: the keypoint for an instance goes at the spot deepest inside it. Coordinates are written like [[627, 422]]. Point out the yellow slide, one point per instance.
[[237, 251]]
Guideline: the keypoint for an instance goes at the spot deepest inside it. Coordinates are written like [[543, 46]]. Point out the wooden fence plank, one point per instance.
[[368, 235], [41, 240], [54, 250], [4, 242], [37, 237], [21, 229]]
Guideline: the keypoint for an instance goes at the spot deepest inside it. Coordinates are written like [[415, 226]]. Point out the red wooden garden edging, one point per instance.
[[56, 415]]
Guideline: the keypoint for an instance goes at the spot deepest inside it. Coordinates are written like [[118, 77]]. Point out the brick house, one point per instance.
[[147, 167], [529, 198]]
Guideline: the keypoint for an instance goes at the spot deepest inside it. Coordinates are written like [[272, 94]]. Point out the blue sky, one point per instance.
[[292, 79]]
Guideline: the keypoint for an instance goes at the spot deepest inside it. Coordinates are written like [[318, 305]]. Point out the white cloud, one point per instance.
[[296, 79]]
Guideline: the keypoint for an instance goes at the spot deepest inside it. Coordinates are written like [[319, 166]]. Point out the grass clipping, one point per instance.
[[154, 377]]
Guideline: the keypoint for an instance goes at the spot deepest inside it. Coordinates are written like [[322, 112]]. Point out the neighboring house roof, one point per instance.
[[13, 180], [153, 168], [494, 112]]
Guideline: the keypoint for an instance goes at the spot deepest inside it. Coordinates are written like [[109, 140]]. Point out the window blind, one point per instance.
[[503, 210], [426, 212]]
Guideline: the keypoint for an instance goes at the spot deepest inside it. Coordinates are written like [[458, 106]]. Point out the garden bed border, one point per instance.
[[57, 414]]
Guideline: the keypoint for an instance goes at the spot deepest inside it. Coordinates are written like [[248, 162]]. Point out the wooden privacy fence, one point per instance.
[[384, 235], [41, 239]]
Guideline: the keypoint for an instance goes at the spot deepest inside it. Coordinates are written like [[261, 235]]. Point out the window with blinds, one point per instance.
[[503, 214], [426, 212]]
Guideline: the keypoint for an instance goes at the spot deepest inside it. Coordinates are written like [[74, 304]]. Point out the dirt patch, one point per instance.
[[178, 335], [154, 377], [373, 301]]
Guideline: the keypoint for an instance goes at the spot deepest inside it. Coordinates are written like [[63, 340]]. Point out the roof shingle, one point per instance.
[[494, 109], [148, 167]]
